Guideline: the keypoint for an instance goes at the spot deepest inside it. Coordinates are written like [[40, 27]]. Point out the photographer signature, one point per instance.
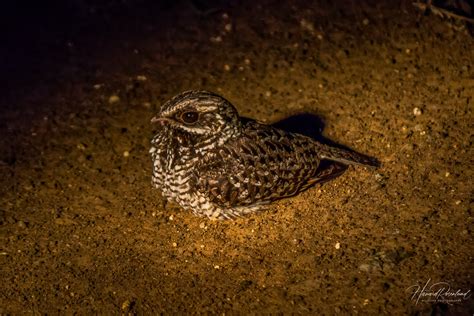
[[437, 292]]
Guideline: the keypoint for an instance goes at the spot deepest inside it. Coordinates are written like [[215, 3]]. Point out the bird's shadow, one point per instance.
[[312, 126], [309, 125]]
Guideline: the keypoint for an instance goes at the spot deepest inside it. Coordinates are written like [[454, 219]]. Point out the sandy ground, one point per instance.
[[82, 230]]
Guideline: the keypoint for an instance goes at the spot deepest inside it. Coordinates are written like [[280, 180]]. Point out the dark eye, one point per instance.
[[190, 117]]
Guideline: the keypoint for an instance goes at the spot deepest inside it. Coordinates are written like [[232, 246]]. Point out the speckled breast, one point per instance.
[[172, 169]]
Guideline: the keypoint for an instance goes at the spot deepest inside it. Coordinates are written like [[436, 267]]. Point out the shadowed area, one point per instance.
[[312, 126]]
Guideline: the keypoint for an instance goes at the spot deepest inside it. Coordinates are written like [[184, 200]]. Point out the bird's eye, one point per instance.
[[189, 117]]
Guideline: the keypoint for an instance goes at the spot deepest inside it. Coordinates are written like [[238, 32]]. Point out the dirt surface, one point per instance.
[[83, 231]]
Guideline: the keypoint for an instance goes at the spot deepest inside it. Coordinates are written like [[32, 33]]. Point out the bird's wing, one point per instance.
[[262, 165]]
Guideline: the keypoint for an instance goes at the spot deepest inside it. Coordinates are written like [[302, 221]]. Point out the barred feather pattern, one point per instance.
[[223, 167]]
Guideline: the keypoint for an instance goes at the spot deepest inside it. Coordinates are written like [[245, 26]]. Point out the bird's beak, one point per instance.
[[155, 119], [160, 120]]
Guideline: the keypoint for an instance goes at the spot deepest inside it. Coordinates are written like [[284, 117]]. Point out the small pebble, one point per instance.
[[217, 267], [216, 39], [337, 245], [226, 67], [417, 111], [268, 94], [175, 244], [418, 128], [171, 217], [202, 225], [97, 86], [126, 306], [458, 202], [365, 21], [228, 27], [126, 154], [247, 61], [114, 99], [378, 177], [447, 174], [141, 78], [307, 25]]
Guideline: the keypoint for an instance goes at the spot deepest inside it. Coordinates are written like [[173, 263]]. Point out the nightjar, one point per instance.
[[209, 160]]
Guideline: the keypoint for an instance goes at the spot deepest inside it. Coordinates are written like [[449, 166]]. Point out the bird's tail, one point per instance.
[[347, 157]]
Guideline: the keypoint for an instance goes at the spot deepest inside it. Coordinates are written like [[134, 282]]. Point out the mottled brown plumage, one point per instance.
[[209, 160]]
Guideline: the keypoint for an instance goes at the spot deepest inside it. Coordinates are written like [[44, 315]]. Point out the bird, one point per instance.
[[219, 165]]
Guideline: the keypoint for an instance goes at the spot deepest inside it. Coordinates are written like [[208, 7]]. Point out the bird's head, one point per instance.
[[199, 115]]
